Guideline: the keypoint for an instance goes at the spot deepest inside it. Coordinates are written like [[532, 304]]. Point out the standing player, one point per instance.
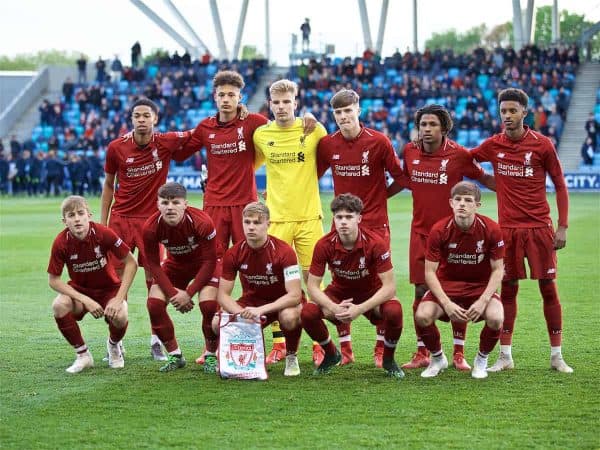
[[432, 166], [230, 156], [358, 158], [463, 270], [270, 279], [290, 156], [188, 236], [137, 164], [363, 282], [94, 286], [522, 158], [230, 162]]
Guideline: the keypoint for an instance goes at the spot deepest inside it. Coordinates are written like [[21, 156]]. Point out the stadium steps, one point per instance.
[[583, 100], [23, 127], [260, 97]]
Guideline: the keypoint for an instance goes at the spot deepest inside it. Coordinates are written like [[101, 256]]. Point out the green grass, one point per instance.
[[41, 406]]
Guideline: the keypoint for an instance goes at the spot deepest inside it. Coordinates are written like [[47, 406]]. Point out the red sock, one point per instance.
[[209, 309], [312, 322], [418, 329], [431, 338], [162, 325], [116, 334], [391, 314], [343, 329], [488, 339], [292, 339], [459, 331], [552, 312], [70, 330], [508, 295]]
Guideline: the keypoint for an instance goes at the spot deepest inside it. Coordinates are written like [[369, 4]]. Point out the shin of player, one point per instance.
[[363, 283], [188, 236], [94, 286], [270, 278], [463, 270]]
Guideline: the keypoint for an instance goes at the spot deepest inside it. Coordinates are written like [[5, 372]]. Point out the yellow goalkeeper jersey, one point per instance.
[[291, 163]]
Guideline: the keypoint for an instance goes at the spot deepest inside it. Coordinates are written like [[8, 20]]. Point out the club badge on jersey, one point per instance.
[[241, 348]]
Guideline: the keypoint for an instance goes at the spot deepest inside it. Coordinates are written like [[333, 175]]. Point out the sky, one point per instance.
[[108, 27]]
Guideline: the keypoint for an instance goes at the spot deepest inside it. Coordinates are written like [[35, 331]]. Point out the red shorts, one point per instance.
[[130, 230], [101, 296], [180, 275], [416, 264], [228, 223], [463, 302], [535, 244]]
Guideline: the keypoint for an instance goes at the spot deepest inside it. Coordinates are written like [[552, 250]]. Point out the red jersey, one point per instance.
[[352, 271], [520, 169], [230, 159], [140, 171], [431, 178], [87, 259], [190, 242], [263, 271], [464, 256], [358, 166]]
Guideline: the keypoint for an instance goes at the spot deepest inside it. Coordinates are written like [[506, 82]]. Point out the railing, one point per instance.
[[22, 102]]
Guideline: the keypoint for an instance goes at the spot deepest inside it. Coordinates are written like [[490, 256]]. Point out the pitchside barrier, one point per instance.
[[576, 181]]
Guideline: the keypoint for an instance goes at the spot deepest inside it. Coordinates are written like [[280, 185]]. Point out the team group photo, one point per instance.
[[374, 251]]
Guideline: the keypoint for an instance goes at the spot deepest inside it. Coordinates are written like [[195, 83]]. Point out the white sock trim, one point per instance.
[[347, 338], [459, 342]]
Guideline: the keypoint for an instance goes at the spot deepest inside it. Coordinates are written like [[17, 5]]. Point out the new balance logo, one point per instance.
[[553, 270], [129, 160], [244, 267], [416, 161], [211, 136], [452, 245], [337, 262], [501, 155], [73, 257], [335, 157]]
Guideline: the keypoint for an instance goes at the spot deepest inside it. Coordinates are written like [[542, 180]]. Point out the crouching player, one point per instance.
[[463, 270], [363, 282], [270, 278], [94, 286], [188, 236]]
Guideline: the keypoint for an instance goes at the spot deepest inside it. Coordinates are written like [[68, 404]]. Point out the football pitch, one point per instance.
[[42, 406]]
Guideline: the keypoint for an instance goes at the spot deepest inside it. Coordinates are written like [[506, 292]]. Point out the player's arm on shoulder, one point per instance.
[[57, 284], [309, 123], [191, 143], [108, 192], [488, 181]]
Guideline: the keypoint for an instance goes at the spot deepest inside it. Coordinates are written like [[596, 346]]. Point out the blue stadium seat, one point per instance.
[[474, 136], [482, 81], [453, 72]]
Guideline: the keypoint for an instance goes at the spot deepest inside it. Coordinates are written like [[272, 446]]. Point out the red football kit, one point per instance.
[[358, 167], [520, 169], [231, 183], [262, 271], [87, 261], [430, 179], [190, 247], [140, 172], [464, 256], [354, 273]]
